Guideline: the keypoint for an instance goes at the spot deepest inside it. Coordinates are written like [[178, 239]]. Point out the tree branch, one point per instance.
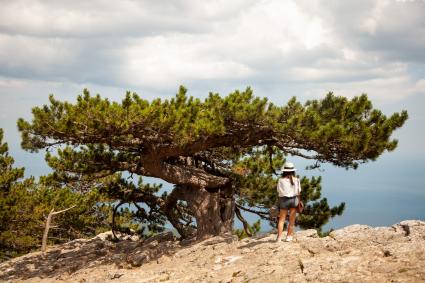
[[47, 227], [262, 214], [184, 175], [244, 222], [60, 211]]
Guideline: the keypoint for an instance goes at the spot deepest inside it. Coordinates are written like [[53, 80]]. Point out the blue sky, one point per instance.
[[279, 48]]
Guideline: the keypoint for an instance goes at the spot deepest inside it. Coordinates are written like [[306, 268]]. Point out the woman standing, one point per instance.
[[288, 189]]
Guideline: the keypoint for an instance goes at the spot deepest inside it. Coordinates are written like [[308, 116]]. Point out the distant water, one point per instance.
[[378, 193]]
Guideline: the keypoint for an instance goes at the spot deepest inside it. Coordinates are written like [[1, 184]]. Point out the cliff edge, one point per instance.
[[356, 253]]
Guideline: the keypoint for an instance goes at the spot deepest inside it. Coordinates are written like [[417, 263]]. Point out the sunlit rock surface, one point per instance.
[[356, 253]]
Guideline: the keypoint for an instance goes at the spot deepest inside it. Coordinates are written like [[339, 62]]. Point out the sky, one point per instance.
[[281, 49]]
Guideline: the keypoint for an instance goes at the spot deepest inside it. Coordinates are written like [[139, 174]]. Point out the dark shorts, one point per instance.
[[288, 202]]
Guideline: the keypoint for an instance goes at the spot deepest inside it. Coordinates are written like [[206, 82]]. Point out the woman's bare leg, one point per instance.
[[282, 217], [292, 214]]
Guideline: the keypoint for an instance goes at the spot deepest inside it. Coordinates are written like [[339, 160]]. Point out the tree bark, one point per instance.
[[180, 174], [212, 209], [46, 231], [47, 227]]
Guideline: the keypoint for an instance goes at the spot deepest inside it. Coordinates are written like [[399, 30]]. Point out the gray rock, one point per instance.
[[357, 253], [104, 236], [166, 236], [138, 259], [310, 233]]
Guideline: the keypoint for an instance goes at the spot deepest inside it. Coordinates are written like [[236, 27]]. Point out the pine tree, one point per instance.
[[214, 151], [10, 193], [25, 203], [256, 178], [9, 175]]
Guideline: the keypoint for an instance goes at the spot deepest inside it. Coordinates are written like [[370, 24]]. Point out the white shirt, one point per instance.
[[286, 189]]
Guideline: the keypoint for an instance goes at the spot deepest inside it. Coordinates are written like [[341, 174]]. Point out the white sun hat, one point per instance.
[[288, 167]]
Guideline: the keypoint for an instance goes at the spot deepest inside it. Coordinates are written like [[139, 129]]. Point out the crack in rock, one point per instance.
[[301, 265]]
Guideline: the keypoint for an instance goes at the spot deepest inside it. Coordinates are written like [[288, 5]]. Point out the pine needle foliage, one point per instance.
[[235, 139], [25, 203], [256, 180], [251, 229]]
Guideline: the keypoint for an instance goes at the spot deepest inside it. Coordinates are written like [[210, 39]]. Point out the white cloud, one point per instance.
[[270, 44], [111, 18], [168, 61], [29, 56], [419, 86], [343, 70], [380, 89]]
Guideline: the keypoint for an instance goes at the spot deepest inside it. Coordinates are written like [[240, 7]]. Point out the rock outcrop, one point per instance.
[[356, 253]]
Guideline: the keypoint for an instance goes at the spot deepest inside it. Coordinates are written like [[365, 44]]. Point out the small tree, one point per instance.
[[214, 150], [12, 237], [25, 204]]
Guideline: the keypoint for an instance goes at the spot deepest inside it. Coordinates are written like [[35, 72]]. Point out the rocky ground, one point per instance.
[[357, 253]]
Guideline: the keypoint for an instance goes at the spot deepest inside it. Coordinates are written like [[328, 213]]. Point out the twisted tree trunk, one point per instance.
[[212, 209]]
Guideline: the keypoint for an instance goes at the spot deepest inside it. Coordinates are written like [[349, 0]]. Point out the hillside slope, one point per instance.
[[356, 253]]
